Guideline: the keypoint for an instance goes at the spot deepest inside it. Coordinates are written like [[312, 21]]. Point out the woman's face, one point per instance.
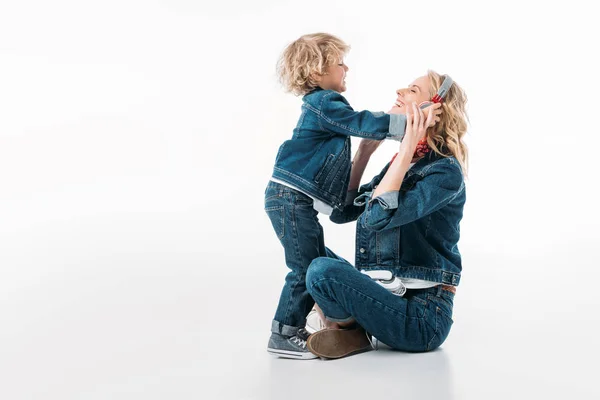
[[417, 92]]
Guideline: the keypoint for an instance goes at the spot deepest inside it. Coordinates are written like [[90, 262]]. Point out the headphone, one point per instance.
[[441, 94]]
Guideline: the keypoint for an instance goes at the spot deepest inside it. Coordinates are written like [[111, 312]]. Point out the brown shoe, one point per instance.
[[337, 343]]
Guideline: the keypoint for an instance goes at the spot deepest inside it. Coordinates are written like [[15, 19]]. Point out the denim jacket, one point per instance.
[[316, 159], [412, 232]]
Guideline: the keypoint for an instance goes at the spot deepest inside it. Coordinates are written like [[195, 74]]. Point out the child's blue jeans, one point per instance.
[[297, 226]]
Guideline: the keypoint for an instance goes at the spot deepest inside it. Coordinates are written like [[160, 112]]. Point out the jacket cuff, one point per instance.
[[380, 210], [362, 199], [397, 127], [387, 200]]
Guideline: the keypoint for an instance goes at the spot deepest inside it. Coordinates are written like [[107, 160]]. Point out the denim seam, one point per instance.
[[321, 115], [297, 251], [284, 172], [336, 170], [330, 157], [275, 196], [281, 216], [279, 151], [437, 327], [427, 167], [339, 169], [317, 112], [377, 249], [301, 120]]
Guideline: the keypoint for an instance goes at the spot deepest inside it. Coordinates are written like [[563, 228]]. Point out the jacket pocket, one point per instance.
[[325, 167]]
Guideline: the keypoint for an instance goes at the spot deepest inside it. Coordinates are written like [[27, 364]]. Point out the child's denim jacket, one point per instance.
[[316, 159]]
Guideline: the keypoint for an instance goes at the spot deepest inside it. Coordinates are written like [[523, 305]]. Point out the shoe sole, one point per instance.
[[338, 343], [291, 354]]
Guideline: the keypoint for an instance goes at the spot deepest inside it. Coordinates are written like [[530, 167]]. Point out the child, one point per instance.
[[312, 171]]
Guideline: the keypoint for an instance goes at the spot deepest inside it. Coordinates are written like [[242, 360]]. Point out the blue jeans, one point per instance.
[[296, 225], [417, 322]]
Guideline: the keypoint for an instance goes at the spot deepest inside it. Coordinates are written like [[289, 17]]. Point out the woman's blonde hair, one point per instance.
[[446, 137], [308, 57]]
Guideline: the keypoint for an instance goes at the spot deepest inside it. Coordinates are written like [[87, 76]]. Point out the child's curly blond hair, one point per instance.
[[308, 57]]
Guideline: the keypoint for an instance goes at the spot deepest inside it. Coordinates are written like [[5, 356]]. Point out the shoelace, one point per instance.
[[301, 337], [303, 334], [298, 341]]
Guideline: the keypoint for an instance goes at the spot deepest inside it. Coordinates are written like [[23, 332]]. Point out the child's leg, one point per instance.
[[297, 226]]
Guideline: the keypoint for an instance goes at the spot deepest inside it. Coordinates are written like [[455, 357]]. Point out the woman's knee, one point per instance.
[[322, 268]]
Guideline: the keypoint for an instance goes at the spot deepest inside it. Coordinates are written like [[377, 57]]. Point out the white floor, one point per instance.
[[166, 324], [136, 139]]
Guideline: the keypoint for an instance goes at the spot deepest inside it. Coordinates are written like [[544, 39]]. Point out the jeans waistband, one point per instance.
[[441, 290]]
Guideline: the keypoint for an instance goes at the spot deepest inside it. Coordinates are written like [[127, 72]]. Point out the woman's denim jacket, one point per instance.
[[412, 232], [317, 158]]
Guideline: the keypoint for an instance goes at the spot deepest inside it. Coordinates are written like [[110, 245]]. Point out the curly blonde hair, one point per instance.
[[446, 137], [308, 57]]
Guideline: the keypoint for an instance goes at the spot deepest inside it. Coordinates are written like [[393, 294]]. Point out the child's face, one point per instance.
[[335, 77], [417, 92]]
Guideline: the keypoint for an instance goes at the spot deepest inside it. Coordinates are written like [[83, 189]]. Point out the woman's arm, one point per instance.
[[416, 127], [440, 185], [390, 208]]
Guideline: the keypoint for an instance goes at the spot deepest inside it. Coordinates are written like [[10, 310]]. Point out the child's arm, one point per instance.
[[350, 212], [336, 115]]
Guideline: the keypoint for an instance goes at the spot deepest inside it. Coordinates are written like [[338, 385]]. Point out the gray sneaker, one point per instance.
[[290, 346]]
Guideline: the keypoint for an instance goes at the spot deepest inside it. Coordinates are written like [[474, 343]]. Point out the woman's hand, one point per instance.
[[436, 110], [416, 127]]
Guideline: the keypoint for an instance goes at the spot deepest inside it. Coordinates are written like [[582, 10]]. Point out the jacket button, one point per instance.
[[362, 250]]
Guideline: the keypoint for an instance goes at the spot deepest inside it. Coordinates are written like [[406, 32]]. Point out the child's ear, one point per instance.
[[318, 77]]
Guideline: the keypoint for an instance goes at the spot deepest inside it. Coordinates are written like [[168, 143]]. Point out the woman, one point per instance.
[[408, 223]]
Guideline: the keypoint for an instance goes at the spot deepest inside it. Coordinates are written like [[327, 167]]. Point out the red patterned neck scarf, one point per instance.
[[420, 151]]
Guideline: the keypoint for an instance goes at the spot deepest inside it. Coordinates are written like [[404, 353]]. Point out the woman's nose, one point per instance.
[[400, 92]]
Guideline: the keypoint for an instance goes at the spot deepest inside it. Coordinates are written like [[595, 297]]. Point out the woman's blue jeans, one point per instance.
[[417, 322]]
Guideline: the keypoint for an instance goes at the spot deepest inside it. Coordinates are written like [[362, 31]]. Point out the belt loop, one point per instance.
[[439, 290]]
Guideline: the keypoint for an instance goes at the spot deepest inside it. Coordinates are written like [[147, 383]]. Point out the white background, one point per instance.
[[136, 140]]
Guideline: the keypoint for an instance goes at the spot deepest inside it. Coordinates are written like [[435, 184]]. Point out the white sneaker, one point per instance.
[[387, 280], [314, 323]]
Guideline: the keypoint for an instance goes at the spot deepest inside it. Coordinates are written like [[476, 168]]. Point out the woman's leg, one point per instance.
[[326, 322], [344, 294]]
